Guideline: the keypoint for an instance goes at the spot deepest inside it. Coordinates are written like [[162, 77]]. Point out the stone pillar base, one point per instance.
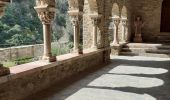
[[4, 71], [106, 56], [94, 48], [115, 50], [78, 51], [50, 59], [138, 38]]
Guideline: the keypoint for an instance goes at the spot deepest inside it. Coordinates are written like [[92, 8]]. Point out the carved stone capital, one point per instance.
[[46, 17], [116, 21], [75, 21], [75, 17], [73, 4], [124, 22], [94, 21], [45, 10], [95, 18], [47, 3], [75, 13]]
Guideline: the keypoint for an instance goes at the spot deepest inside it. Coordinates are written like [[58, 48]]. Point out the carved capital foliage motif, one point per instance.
[[73, 4], [76, 16], [75, 20], [124, 22], [45, 10], [3, 3], [94, 21], [116, 21], [46, 17], [95, 18]]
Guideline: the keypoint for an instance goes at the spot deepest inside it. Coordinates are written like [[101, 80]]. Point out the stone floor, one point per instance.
[[126, 78]]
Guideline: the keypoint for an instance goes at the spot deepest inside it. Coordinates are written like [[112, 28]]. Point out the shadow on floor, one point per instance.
[[131, 78]]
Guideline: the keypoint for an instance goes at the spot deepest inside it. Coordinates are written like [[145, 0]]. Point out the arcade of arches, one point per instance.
[[109, 27]]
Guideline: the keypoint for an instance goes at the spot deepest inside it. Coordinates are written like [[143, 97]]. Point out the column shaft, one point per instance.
[[94, 41], [47, 41], [116, 27], [76, 39]]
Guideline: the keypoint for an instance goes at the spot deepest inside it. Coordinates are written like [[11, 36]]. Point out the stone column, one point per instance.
[[94, 41], [95, 18], [3, 69], [46, 15], [75, 15], [116, 22], [76, 35], [124, 30]]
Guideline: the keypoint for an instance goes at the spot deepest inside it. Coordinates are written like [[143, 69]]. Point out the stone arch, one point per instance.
[[165, 16], [115, 10], [124, 13], [90, 9]]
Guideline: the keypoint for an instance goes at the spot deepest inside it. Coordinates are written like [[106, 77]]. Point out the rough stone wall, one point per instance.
[[88, 26], [150, 10], [33, 81]]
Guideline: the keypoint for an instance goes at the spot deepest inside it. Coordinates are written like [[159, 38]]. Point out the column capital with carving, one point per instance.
[[95, 18], [75, 13], [116, 21], [75, 16], [45, 10], [124, 22]]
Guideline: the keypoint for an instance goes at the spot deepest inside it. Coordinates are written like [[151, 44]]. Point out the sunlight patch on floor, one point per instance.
[[126, 69], [139, 58], [115, 81], [104, 94]]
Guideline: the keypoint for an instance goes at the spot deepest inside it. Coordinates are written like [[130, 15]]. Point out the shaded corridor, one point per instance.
[[126, 78]]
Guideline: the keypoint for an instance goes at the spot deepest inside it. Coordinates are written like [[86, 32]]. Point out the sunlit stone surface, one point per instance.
[[104, 94], [125, 69], [114, 81]]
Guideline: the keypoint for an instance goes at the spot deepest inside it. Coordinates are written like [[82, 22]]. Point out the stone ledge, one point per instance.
[[29, 68]]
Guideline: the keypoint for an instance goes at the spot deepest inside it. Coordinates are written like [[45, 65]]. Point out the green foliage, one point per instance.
[[9, 64], [20, 24], [23, 60], [18, 61], [59, 51]]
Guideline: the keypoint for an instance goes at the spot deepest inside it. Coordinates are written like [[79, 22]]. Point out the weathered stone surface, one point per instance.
[[38, 79], [115, 50], [126, 78]]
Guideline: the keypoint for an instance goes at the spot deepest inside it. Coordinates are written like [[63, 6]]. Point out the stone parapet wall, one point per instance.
[[36, 51], [22, 84], [21, 51]]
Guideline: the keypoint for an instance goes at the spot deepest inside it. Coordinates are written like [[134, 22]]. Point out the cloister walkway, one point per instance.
[[125, 78]]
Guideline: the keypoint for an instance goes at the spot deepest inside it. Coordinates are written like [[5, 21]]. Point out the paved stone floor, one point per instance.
[[126, 78]]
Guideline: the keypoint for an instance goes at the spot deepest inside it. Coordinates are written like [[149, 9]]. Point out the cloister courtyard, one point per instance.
[[120, 51]]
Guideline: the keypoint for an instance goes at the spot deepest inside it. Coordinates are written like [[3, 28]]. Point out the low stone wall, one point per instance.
[[12, 53], [23, 84], [21, 51]]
